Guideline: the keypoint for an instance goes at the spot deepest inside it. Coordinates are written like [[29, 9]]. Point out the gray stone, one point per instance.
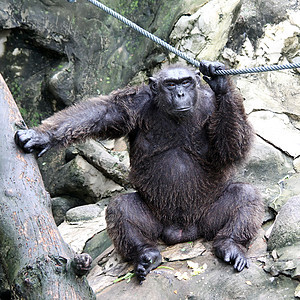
[[286, 261], [196, 35], [61, 83], [82, 180], [277, 129], [49, 164], [105, 53], [80, 230], [183, 251], [204, 277], [297, 164], [110, 163], [97, 244], [83, 213], [60, 205], [266, 168], [286, 230], [289, 187], [297, 291]]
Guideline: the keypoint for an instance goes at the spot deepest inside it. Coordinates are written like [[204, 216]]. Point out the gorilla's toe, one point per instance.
[[148, 260]]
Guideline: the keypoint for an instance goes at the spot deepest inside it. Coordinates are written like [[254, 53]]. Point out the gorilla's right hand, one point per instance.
[[30, 140], [219, 84]]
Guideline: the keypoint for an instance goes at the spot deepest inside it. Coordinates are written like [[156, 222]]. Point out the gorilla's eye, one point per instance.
[[186, 82], [170, 85]]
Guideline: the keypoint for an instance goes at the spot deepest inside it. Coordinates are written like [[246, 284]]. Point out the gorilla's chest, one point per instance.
[[164, 136]]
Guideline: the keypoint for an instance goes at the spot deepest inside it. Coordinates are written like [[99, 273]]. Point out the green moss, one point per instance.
[[36, 119], [23, 112]]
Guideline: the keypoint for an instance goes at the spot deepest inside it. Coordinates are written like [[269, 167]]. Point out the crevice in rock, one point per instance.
[[273, 145]]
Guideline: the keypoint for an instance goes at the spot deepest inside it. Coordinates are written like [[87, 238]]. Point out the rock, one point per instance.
[[286, 230], [103, 52], [270, 97], [269, 91], [82, 180], [121, 146], [213, 279], [109, 267], [114, 165], [87, 217], [49, 164], [83, 213], [297, 164], [83, 227], [254, 16], [200, 277], [183, 251], [196, 35], [265, 168], [60, 205], [61, 83], [289, 187], [277, 129], [97, 244], [297, 291], [285, 261]]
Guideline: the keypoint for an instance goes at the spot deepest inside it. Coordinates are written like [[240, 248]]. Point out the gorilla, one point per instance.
[[186, 139]]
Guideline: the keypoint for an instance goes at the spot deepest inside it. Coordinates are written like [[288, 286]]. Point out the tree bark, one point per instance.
[[36, 261]]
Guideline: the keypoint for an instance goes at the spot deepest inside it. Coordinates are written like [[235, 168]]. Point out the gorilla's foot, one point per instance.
[[82, 263], [147, 260], [232, 252]]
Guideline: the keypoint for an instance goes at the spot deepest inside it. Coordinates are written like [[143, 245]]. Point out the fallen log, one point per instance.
[[34, 258]]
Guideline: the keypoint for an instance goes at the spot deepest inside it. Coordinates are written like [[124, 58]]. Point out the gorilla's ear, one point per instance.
[[153, 84], [198, 77]]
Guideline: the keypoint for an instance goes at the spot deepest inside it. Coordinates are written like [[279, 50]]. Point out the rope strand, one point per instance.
[[258, 69], [177, 52]]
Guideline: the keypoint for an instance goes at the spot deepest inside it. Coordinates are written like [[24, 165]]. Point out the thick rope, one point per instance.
[[258, 69], [192, 61]]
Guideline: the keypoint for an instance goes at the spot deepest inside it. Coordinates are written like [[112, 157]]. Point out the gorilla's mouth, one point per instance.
[[183, 109]]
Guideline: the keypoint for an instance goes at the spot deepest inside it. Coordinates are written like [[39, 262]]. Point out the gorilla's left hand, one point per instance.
[[218, 83], [30, 140]]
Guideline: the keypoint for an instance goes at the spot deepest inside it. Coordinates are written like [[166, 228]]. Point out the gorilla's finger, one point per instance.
[[30, 145], [21, 138], [44, 151], [206, 79], [212, 70]]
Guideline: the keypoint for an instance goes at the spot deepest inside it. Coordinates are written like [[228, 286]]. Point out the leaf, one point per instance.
[[182, 276], [127, 276], [165, 267], [195, 267]]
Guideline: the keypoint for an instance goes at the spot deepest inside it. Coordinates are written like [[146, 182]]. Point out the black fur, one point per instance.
[[184, 146]]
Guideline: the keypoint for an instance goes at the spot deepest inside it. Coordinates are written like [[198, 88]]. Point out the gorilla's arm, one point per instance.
[[104, 117], [229, 132]]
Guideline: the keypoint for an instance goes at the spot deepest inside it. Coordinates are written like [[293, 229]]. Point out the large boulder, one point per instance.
[[82, 180], [196, 34], [286, 230], [189, 271], [54, 53], [284, 241]]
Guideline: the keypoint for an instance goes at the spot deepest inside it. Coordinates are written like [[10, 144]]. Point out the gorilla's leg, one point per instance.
[[134, 232], [232, 221]]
